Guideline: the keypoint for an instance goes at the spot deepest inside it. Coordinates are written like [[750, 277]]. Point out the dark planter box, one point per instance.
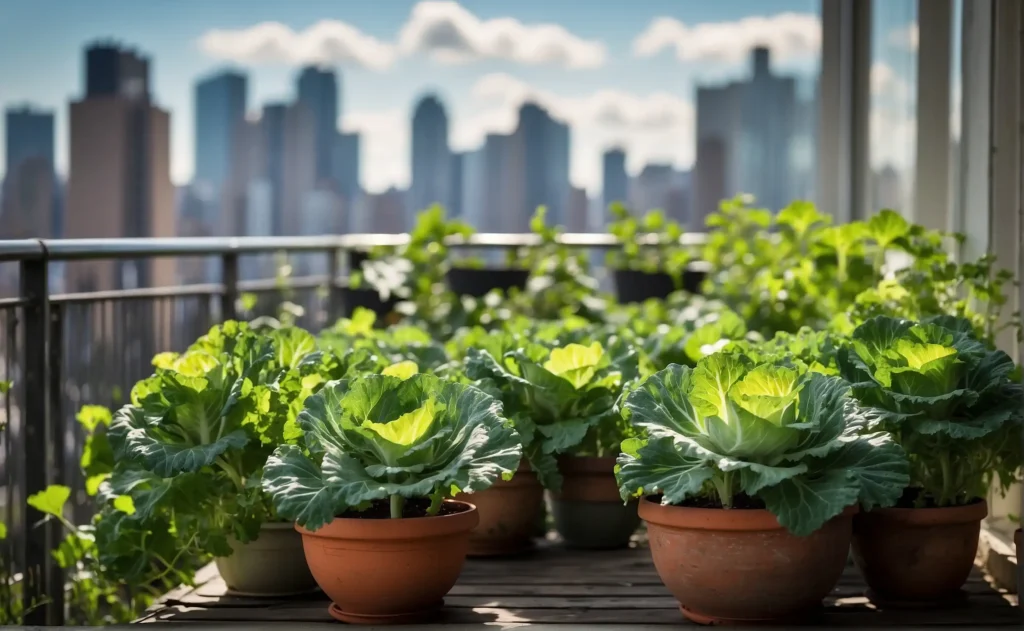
[[469, 281], [368, 299], [636, 286]]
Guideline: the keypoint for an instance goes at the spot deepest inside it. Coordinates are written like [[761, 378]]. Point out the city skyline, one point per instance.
[[605, 76]]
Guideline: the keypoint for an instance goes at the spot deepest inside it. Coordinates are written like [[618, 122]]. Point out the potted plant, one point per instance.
[[644, 271], [195, 437], [949, 400], [369, 495], [563, 403], [750, 475]]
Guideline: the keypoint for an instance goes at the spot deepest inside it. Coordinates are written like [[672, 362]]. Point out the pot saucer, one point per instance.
[[398, 618], [289, 594], [950, 601]]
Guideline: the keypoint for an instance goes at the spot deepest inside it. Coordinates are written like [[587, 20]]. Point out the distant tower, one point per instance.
[[31, 201], [431, 158], [119, 182], [614, 181], [220, 105], [318, 91]]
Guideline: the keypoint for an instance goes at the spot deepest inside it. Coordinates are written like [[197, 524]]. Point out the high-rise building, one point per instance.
[[431, 158], [473, 195], [386, 211], [346, 175], [31, 196], [662, 187], [318, 91], [289, 136], [504, 174], [220, 105], [112, 70], [578, 209], [745, 139], [119, 182], [455, 205], [614, 180], [546, 164]]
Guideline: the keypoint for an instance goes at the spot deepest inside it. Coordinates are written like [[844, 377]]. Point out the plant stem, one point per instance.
[[397, 505], [723, 484], [946, 482]]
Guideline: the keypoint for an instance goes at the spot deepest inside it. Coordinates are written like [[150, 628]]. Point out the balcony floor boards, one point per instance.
[[554, 588]]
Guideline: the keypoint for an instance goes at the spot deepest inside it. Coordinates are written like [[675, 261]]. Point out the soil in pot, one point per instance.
[[589, 512], [272, 565], [379, 570], [740, 565], [917, 556], [477, 282], [636, 286], [509, 512]]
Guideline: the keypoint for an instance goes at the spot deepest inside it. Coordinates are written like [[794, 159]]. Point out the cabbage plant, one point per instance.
[[558, 398], [189, 449], [390, 437], [943, 395], [734, 433]]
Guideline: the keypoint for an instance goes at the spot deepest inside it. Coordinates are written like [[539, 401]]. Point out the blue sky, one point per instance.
[[622, 72]]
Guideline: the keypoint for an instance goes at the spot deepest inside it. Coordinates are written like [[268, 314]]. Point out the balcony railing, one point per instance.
[[63, 350]]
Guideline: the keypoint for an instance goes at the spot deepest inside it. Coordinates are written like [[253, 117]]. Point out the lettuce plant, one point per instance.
[[558, 398], [385, 437], [732, 433], [943, 395], [665, 255]]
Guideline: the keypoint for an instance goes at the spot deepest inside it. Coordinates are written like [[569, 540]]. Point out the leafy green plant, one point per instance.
[[385, 438], [666, 254], [191, 446], [561, 399], [732, 433], [945, 397]]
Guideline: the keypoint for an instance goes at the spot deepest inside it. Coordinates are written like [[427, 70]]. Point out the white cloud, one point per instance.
[[384, 147], [326, 42], [451, 34], [788, 35], [445, 31]]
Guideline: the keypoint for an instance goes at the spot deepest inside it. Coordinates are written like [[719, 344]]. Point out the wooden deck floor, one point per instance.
[[554, 587]]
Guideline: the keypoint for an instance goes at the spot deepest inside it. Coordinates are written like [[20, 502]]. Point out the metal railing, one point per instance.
[[63, 350]]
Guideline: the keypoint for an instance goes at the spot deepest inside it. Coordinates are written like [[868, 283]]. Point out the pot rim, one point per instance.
[[961, 514], [569, 464], [691, 518], [427, 527]]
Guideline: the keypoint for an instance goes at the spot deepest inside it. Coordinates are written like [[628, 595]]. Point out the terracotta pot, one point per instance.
[[735, 566], [389, 571], [914, 556], [509, 512], [272, 565], [589, 512]]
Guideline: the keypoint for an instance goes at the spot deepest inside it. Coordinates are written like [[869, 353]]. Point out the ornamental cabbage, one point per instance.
[[943, 395], [735, 433], [382, 437], [558, 398]]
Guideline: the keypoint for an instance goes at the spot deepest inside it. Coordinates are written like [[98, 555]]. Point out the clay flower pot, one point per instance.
[[389, 571], [589, 512], [509, 511], [272, 565], [739, 565], [917, 556]]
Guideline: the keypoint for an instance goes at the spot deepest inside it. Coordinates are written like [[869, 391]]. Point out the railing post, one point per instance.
[[334, 305], [58, 456], [42, 606], [229, 277]]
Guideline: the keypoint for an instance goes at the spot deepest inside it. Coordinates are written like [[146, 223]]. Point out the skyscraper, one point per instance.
[[346, 175], [318, 91], [220, 104], [431, 158], [289, 137], [745, 139], [614, 181], [456, 209], [119, 182], [546, 164], [31, 200]]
